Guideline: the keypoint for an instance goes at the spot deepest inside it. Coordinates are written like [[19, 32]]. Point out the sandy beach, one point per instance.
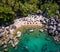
[[27, 22]]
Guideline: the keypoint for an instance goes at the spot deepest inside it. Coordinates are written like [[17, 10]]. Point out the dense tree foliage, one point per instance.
[[50, 7], [9, 9]]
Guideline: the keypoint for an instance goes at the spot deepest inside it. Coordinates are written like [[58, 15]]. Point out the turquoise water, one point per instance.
[[35, 42]]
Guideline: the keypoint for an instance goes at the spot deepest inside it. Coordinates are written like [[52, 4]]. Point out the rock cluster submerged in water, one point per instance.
[[52, 25]]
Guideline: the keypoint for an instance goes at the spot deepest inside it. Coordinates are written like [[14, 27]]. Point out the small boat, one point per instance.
[[18, 34], [41, 30], [31, 30]]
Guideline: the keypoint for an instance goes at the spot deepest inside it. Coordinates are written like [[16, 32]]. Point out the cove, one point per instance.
[[35, 41]]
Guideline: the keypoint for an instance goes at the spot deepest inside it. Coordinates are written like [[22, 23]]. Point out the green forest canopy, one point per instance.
[[9, 9]]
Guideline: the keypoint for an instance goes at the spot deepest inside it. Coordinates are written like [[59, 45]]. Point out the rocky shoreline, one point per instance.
[[13, 41], [8, 32], [52, 26]]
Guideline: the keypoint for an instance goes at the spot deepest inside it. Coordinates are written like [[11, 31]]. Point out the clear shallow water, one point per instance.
[[35, 42]]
